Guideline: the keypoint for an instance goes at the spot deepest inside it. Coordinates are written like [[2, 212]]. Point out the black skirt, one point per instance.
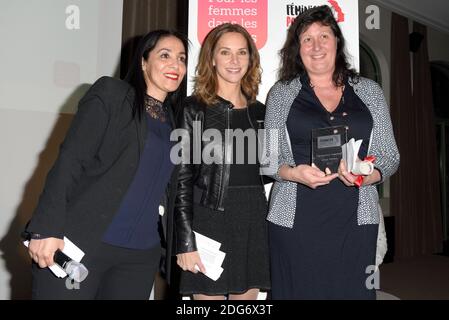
[[242, 231]]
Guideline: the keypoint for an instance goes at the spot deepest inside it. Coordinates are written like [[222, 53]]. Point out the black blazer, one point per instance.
[[96, 164]]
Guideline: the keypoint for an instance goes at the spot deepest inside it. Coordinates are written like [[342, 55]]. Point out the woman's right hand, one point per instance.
[[188, 261], [310, 176], [43, 250]]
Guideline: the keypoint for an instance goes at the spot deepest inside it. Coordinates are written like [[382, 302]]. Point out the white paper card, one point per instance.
[[70, 250], [350, 155], [210, 255]]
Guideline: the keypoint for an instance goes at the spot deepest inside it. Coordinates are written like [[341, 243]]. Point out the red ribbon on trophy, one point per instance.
[[362, 169]]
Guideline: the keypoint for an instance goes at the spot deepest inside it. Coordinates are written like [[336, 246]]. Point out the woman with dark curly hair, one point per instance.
[[323, 230], [224, 199]]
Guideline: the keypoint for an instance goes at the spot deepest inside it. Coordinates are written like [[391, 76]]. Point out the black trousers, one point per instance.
[[114, 273]]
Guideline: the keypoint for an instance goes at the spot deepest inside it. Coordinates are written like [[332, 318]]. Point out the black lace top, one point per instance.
[[155, 108]]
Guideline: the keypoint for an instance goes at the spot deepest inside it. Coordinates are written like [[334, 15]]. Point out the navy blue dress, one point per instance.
[[325, 254]]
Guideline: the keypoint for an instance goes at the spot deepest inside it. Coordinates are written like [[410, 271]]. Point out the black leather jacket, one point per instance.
[[210, 181]]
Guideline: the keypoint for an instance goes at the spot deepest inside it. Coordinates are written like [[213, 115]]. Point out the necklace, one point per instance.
[[155, 108]]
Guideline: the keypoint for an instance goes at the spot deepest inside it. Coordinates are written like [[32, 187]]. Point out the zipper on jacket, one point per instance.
[[225, 155]]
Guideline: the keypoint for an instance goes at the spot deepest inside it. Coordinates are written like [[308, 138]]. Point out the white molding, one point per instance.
[[407, 10]]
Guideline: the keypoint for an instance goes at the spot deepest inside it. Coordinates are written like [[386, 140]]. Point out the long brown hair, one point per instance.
[[206, 81]]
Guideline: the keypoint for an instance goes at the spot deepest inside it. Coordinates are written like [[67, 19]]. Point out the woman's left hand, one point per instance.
[[346, 177]]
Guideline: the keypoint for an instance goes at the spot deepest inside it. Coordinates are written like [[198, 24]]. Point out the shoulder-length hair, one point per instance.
[[292, 65], [206, 81], [135, 76]]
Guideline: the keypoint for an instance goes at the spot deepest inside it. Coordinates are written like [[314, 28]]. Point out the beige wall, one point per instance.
[[378, 40], [45, 69]]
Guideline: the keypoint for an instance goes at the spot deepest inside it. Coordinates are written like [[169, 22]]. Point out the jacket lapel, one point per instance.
[[141, 128]]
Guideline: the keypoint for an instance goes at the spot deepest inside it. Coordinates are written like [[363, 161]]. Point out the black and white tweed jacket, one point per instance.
[[382, 145]]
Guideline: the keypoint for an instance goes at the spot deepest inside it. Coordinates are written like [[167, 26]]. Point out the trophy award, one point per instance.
[[326, 147]]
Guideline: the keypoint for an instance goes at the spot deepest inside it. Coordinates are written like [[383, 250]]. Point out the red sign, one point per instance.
[[251, 14], [340, 16]]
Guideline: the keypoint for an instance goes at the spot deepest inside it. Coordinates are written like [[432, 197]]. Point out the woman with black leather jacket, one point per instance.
[[220, 191]]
